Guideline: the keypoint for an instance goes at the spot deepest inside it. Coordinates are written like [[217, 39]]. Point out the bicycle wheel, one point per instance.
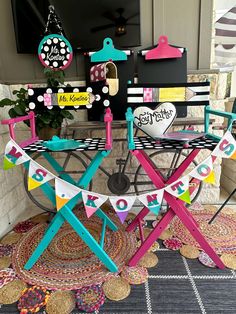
[[69, 161], [163, 161]]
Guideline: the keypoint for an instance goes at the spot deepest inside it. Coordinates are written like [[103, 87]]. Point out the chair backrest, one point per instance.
[[151, 95], [72, 98]]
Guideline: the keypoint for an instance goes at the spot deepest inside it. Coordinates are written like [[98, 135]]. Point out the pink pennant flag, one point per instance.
[[92, 201], [122, 205]]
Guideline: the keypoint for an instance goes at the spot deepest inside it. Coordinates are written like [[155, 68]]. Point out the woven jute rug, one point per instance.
[[221, 234], [68, 263]]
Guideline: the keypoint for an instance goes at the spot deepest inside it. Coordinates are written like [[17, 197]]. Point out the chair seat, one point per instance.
[[93, 144], [146, 142]]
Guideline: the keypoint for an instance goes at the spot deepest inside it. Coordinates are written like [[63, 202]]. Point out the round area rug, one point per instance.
[[24, 226], [33, 299], [60, 302], [229, 260], [12, 291], [90, 299], [221, 234], [68, 263], [135, 275], [6, 276], [172, 244], [5, 249], [189, 251], [116, 289], [148, 260], [206, 260]]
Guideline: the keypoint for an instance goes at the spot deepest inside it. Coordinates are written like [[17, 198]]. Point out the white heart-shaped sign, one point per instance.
[[155, 122]]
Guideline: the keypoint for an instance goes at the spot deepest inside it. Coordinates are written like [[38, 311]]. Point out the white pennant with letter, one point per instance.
[[122, 205], [152, 200], [64, 192], [14, 155], [226, 147], [204, 171], [92, 201], [180, 189], [38, 175]]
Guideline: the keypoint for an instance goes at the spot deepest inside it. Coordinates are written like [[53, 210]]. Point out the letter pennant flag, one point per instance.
[[152, 200], [180, 189], [64, 192], [92, 201], [38, 175], [204, 171], [14, 155], [226, 147], [122, 205]]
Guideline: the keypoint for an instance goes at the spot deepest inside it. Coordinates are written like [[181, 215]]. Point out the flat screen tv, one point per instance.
[[85, 22]]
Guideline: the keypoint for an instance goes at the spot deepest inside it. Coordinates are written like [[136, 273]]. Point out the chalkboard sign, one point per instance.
[[163, 71]]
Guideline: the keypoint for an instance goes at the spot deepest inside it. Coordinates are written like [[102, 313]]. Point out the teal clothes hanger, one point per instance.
[[108, 52]]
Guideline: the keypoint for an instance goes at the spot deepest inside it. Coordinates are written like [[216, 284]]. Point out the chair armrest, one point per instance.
[[11, 123], [221, 113], [130, 128], [108, 118]]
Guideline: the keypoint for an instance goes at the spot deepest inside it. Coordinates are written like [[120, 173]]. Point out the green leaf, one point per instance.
[[6, 102], [19, 110], [12, 113]]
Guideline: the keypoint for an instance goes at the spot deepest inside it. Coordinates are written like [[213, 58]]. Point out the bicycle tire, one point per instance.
[[35, 199], [151, 156]]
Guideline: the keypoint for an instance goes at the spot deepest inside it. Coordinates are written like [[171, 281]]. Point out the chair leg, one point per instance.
[[46, 240], [153, 236], [140, 216], [88, 239], [180, 211]]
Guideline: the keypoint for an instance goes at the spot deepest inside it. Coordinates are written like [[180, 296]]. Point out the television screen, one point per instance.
[[85, 22]]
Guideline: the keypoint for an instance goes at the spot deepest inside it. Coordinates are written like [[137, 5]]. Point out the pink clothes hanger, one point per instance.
[[163, 50]]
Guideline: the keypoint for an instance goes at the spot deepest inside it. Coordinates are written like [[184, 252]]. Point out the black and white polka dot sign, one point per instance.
[[55, 52]]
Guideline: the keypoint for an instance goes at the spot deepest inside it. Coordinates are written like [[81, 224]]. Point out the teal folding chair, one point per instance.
[[96, 94]]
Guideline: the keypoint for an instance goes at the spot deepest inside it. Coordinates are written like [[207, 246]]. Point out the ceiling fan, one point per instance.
[[118, 22]]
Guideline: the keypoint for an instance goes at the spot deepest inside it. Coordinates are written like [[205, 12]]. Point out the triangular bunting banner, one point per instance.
[[180, 189], [122, 205], [14, 155], [152, 200], [92, 201], [64, 192], [37, 175], [204, 171], [226, 147]]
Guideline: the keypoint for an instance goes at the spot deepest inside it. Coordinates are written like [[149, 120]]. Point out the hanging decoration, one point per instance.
[[14, 155], [180, 189], [152, 200], [54, 50], [92, 201], [65, 191], [37, 176]]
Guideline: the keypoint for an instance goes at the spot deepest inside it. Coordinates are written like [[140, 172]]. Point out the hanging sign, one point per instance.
[[155, 122], [55, 52]]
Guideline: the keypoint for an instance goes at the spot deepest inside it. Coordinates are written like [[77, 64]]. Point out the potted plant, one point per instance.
[[48, 122]]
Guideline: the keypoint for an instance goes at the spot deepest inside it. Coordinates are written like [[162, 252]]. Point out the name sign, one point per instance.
[[69, 99]]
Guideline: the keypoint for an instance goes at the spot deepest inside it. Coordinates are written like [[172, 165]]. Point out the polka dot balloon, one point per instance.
[[55, 52]]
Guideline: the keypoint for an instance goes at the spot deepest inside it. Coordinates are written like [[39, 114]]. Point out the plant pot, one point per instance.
[[47, 133]]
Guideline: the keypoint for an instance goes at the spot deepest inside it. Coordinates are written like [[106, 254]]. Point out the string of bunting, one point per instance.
[[64, 191]]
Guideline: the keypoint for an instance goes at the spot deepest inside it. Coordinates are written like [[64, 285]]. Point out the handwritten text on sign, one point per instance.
[[69, 99]]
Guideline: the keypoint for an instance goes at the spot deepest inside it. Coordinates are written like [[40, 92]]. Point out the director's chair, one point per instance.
[[50, 97], [188, 94]]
